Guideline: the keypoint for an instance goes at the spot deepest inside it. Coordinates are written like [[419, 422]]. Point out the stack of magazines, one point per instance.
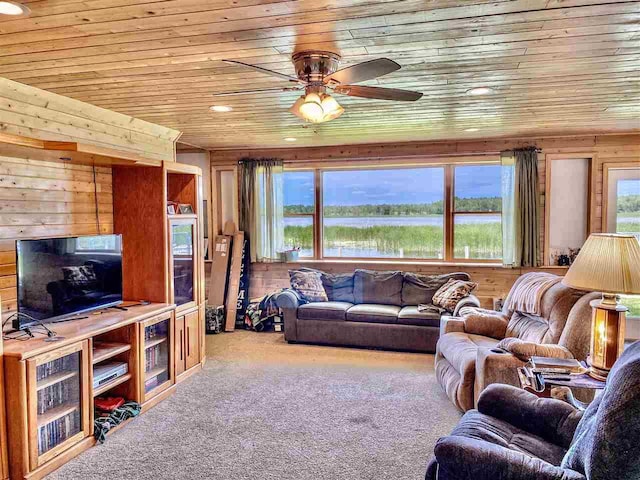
[[558, 371]]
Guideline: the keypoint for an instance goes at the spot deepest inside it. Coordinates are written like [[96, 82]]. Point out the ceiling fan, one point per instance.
[[317, 72]]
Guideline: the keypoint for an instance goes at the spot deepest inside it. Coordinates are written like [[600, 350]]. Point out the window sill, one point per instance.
[[397, 262]]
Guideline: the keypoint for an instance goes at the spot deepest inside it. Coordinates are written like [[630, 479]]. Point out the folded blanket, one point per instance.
[[430, 308], [526, 295]]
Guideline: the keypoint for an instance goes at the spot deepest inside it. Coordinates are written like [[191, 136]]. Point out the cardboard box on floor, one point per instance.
[[221, 257]]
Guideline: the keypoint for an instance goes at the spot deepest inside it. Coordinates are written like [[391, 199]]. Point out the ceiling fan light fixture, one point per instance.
[[331, 107], [480, 91], [14, 9], [311, 109]]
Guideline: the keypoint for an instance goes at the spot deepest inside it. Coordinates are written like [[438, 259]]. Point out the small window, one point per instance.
[[477, 219], [299, 211]]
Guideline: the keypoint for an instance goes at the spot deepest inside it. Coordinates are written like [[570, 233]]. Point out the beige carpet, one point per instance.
[[263, 409]]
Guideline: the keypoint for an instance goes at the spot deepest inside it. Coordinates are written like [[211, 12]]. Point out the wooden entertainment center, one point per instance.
[[160, 335]]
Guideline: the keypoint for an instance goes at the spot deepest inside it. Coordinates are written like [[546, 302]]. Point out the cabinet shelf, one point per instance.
[[57, 412], [55, 378], [154, 341], [109, 385], [105, 350], [154, 372]]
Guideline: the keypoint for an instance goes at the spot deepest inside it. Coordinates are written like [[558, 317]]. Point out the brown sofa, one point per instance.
[[370, 309], [467, 357]]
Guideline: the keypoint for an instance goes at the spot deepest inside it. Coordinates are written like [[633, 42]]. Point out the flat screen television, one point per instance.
[[62, 277]]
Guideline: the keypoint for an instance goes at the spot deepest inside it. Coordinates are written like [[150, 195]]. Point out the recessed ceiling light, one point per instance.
[[480, 91], [221, 108], [12, 8], [471, 129], [290, 139]]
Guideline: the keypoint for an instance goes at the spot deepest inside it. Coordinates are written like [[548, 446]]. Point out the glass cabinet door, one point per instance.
[[156, 354], [58, 403], [182, 253]]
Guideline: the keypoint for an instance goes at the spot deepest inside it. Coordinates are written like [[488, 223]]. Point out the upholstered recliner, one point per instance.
[[514, 435], [467, 354]]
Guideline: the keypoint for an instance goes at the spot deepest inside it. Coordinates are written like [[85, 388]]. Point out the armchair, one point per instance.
[[514, 435], [482, 347]]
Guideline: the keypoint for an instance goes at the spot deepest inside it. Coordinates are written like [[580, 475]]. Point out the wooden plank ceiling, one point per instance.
[[557, 66]]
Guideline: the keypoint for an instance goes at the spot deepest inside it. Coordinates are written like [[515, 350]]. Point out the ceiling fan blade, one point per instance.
[[264, 70], [258, 90], [363, 71], [378, 93]]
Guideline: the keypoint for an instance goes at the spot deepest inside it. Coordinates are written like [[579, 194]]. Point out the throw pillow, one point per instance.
[[452, 292], [80, 278], [308, 285]]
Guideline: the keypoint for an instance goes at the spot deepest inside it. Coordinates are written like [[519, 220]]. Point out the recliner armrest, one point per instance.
[[449, 324], [525, 350], [473, 459], [554, 420]]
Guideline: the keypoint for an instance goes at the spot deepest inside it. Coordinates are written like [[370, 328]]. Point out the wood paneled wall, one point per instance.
[[46, 199], [494, 281], [36, 113]]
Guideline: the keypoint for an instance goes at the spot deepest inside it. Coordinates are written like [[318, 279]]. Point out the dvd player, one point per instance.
[[106, 372]]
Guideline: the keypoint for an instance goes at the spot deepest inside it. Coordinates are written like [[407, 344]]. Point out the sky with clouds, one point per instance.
[[398, 186]]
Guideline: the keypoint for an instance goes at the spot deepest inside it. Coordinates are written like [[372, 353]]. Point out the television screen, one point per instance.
[[59, 277]]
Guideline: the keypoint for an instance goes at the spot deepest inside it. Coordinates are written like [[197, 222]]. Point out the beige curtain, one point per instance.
[[262, 207], [521, 208]]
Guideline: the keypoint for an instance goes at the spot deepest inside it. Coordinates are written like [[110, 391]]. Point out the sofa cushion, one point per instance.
[[419, 289], [411, 316], [324, 311], [308, 285], [339, 286], [452, 292], [377, 287], [489, 429], [373, 313]]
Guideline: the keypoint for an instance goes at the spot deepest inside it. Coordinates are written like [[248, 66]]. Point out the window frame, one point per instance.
[[452, 214], [314, 215], [448, 215]]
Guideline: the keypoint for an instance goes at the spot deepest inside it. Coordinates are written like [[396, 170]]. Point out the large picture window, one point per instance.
[[477, 203], [439, 212], [299, 211], [383, 213]]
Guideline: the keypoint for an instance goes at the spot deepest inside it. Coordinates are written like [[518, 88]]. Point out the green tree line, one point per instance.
[[629, 204], [485, 204]]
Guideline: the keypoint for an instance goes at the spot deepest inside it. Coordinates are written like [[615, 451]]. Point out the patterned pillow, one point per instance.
[[83, 277], [452, 292], [308, 285]]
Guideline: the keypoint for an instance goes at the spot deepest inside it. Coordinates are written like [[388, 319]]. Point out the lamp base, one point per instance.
[[607, 335]]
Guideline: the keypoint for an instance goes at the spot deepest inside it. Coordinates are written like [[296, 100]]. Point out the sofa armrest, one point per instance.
[[468, 301], [484, 322], [288, 301], [554, 420], [525, 350], [449, 324], [473, 459]]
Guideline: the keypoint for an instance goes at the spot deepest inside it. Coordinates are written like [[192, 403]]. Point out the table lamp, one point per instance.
[[607, 263]]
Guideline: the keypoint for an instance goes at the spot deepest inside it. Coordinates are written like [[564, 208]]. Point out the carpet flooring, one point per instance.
[[263, 409]]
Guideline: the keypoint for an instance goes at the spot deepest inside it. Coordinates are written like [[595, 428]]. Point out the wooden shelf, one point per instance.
[[184, 216], [56, 413], [104, 350], [55, 378], [108, 386], [154, 341], [154, 372]]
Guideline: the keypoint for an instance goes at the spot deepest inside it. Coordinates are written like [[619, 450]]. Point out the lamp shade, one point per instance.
[[608, 263]]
